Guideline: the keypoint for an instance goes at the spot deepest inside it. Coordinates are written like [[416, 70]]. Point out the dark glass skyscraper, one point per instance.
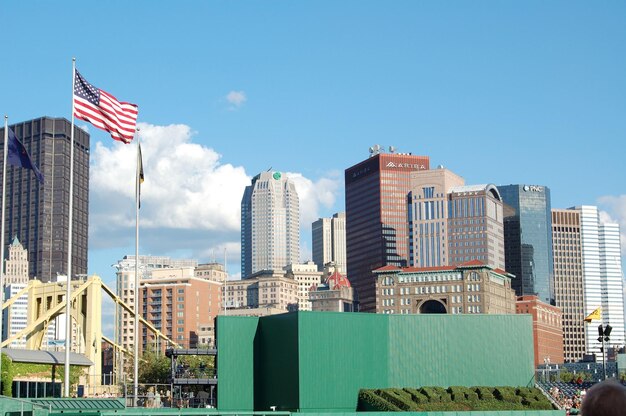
[[377, 231], [528, 239], [38, 215]]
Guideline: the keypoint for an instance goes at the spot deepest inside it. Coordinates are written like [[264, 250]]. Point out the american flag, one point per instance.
[[103, 110]]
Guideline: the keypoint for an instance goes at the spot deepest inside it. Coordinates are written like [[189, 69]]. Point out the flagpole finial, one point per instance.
[[73, 59]]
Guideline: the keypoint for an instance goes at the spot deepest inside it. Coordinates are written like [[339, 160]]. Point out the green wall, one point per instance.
[[276, 362], [235, 361], [318, 361], [460, 350], [338, 352]]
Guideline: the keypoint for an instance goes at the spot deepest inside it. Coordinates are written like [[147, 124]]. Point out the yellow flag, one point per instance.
[[597, 314]]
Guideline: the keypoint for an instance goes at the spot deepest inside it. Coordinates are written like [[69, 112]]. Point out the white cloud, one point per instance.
[[190, 199], [185, 184], [236, 98], [322, 192], [614, 210]]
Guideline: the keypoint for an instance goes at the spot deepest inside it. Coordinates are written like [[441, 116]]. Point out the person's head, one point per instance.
[[604, 399]]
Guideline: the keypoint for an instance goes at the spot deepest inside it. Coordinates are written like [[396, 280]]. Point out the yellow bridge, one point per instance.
[[46, 301]]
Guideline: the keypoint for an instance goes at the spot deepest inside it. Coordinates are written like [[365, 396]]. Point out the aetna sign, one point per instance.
[[412, 166]]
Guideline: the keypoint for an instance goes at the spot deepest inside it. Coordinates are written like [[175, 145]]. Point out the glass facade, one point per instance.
[[528, 240], [377, 218], [39, 214]]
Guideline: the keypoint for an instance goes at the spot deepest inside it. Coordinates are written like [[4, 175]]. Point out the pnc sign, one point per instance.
[[533, 188]]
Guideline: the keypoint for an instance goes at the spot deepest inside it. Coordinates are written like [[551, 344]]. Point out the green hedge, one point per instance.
[[484, 393], [462, 393], [370, 400], [416, 395], [436, 394], [454, 398], [399, 398], [507, 394]]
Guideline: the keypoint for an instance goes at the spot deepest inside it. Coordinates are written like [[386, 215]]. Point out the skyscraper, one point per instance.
[[528, 240], [569, 287], [451, 223], [39, 214], [270, 224], [376, 218], [15, 316], [602, 276], [329, 241]]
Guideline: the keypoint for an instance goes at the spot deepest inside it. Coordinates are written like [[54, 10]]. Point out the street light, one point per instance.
[[546, 364], [603, 336]]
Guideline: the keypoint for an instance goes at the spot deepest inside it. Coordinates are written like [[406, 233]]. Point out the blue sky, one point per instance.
[[501, 92]]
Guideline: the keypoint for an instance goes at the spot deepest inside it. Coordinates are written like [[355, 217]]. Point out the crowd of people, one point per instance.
[[565, 401]]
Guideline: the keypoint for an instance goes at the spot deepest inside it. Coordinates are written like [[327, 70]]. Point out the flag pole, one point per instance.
[[136, 305], [226, 280], [4, 193], [68, 291]]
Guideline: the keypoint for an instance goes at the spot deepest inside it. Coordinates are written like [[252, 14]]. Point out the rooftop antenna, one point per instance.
[[375, 150]]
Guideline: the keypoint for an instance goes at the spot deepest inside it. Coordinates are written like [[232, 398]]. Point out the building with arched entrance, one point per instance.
[[471, 287]]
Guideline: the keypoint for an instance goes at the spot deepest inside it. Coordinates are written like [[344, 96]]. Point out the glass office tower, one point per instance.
[[38, 214], [377, 230], [528, 239]]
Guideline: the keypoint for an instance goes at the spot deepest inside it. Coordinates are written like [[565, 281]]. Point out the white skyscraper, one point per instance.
[[329, 241], [16, 278], [270, 224], [612, 282], [602, 276]]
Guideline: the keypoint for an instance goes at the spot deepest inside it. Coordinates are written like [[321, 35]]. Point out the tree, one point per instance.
[[154, 368]]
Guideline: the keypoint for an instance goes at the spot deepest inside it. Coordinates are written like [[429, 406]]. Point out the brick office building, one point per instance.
[[547, 329], [472, 287], [377, 231], [178, 304]]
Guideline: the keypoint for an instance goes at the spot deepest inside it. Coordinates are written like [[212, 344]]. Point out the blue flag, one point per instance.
[[17, 155]]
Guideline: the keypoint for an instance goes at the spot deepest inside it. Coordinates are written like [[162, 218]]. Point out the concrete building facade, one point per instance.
[[429, 217], [306, 276], [329, 241], [451, 223], [38, 215], [377, 232], [334, 295], [211, 271], [16, 278], [180, 305], [125, 289], [265, 289], [547, 329], [475, 224], [602, 277], [473, 287], [569, 290], [17, 265], [270, 224]]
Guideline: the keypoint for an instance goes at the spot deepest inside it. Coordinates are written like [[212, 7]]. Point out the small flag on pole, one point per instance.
[[104, 110], [595, 315], [17, 155], [139, 173]]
